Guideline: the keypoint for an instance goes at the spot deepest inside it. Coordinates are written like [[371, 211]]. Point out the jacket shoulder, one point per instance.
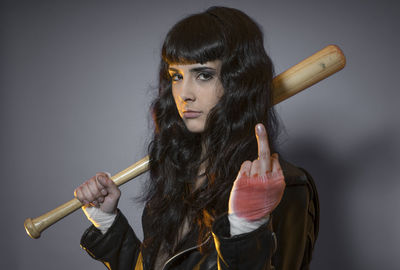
[[293, 174], [300, 187]]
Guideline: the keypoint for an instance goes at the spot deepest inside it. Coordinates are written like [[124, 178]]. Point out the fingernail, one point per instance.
[[259, 128], [100, 178]]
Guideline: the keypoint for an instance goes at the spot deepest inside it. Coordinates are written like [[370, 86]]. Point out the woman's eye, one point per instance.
[[204, 76], [176, 77]]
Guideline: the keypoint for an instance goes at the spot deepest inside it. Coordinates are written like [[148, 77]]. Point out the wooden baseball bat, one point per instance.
[[297, 78]]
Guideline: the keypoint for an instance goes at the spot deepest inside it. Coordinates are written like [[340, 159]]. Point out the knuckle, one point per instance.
[[92, 184], [78, 194], [263, 154], [245, 165], [102, 174]]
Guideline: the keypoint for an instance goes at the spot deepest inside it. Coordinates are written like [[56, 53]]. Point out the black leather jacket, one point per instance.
[[285, 242]]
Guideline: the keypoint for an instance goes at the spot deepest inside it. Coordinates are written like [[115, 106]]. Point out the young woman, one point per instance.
[[215, 185]]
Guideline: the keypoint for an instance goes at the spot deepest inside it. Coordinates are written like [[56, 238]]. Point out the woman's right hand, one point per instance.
[[99, 191]]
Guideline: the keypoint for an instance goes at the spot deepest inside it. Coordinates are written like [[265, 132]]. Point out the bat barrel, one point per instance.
[[308, 72]]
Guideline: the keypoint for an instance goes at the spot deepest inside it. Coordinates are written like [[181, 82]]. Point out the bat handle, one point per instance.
[[35, 226]]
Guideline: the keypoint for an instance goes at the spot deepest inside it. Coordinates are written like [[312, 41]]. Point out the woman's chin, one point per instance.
[[194, 127], [196, 130]]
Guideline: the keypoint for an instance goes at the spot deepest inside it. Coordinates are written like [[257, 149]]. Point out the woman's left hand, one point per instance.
[[260, 184]]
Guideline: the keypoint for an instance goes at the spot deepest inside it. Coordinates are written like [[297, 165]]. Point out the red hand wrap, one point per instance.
[[255, 197]]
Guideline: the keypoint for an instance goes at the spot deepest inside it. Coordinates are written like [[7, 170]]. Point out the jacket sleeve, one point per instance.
[[251, 250], [118, 248]]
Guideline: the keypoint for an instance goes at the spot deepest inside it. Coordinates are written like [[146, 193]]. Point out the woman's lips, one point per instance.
[[191, 114]]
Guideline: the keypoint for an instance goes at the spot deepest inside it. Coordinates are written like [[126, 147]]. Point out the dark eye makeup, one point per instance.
[[205, 76], [200, 73], [175, 76]]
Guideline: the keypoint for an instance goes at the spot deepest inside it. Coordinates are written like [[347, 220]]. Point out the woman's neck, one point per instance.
[[201, 177]]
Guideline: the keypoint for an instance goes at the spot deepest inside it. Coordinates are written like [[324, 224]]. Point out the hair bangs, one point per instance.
[[197, 39]]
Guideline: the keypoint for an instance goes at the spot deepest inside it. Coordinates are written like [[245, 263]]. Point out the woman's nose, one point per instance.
[[187, 91]]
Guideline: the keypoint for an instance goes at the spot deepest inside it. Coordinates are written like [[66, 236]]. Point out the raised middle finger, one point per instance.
[[264, 154]]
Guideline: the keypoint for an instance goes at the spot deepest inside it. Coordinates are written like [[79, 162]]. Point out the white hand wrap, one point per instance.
[[100, 219], [240, 225]]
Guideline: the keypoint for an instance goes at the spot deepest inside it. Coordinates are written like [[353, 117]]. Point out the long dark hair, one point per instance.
[[231, 36]]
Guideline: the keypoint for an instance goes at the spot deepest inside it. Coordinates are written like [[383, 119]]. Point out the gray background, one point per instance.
[[77, 77]]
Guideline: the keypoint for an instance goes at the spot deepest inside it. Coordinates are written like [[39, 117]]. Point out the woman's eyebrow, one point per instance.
[[194, 70], [199, 69], [172, 69]]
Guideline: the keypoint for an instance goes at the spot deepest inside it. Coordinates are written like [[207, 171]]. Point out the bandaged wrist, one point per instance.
[[240, 225], [99, 219]]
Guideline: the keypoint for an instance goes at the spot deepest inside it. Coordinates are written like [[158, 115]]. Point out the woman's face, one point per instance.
[[196, 89]]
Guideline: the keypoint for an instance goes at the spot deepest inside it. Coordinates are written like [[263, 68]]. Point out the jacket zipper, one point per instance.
[[183, 251]]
